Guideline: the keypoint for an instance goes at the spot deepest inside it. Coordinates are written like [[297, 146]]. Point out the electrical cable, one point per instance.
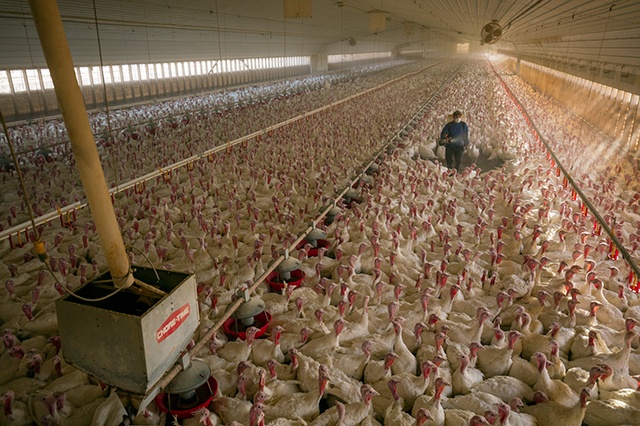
[[573, 15], [72, 293], [146, 31], [587, 18], [99, 299], [523, 13], [38, 244], [33, 67], [26, 33], [106, 104], [148, 261], [606, 26], [218, 37]]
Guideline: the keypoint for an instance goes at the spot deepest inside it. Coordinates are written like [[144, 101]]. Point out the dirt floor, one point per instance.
[[482, 162]]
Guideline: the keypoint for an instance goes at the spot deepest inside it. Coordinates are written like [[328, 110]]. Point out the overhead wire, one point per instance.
[[38, 244], [217, 32], [40, 251], [584, 21], [146, 30], [573, 15], [604, 34], [26, 34], [74, 294], [549, 28], [532, 23], [523, 12], [494, 15], [566, 54], [114, 150]]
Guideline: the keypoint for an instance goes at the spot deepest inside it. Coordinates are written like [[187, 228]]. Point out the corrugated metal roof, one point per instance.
[[155, 30]]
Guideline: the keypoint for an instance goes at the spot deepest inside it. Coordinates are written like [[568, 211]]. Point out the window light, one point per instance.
[[4, 82], [135, 72], [126, 72], [17, 78], [33, 80]]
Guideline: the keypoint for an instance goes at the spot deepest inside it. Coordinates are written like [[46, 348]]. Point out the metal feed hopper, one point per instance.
[[129, 340]]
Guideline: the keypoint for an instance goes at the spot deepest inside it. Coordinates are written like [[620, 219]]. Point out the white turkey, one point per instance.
[[550, 412]]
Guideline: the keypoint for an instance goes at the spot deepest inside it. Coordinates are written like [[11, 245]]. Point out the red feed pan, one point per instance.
[[261, 321], [205, 394], [313, 252], [296, 279]]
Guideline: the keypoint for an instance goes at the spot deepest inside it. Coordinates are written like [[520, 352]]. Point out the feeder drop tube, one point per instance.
[[56, 51]]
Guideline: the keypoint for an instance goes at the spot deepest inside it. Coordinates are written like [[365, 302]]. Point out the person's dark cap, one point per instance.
[[457, 114]]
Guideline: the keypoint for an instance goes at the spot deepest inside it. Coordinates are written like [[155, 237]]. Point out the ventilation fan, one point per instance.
[[491, 32]]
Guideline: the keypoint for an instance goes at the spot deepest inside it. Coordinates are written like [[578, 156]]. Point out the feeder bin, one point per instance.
[[129, 340]]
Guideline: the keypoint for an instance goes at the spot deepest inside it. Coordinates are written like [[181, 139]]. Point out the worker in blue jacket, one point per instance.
[[455, 138]]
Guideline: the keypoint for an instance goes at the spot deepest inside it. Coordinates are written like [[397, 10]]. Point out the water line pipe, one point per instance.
[[47, 217], [585, 200], [173, 372]]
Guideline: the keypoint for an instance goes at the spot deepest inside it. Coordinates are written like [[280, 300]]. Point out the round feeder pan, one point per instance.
[[297, 276], [236, 330], [352, 203], [365, 180], [205, 394], [313, 252]]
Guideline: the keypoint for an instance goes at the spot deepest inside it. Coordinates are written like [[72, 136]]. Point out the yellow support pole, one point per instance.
[[56, 51]]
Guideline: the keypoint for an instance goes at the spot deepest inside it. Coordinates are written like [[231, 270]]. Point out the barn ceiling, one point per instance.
[[137, 31]]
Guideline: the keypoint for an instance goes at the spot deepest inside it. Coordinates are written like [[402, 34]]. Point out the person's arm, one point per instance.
[[445, 132]]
